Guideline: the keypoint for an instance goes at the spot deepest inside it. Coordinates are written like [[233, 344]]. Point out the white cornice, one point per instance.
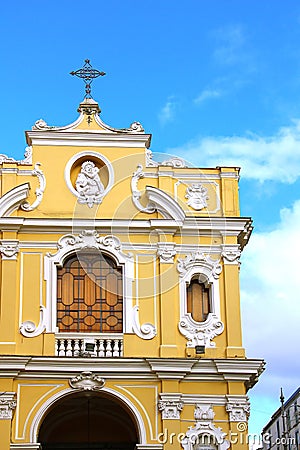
[[234, 174], [171, 368], [232, 226], [240, 227], [228, 224], [50, 226], [246, 370], [93, 138], [181, 249]]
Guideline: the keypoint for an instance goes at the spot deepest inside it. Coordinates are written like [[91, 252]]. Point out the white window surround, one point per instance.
[[208, 272], [70, 244]]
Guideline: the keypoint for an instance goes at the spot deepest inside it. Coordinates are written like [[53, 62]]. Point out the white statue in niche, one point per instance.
[[88, 184]]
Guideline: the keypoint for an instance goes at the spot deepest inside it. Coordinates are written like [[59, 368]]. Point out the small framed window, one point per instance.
[[198, 300]]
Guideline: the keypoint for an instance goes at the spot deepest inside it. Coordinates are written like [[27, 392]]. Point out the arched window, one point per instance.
[[198, 300], [90, 294]]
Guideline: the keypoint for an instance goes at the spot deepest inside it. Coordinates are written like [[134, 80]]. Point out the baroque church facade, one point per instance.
[[120, 311]]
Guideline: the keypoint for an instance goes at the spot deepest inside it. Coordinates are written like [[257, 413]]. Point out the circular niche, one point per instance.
[[89, 176]]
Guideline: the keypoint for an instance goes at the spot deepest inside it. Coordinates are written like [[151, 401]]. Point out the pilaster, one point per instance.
[[231, 256], [168, 307], [7, 406], [9, 250], [170, 406]]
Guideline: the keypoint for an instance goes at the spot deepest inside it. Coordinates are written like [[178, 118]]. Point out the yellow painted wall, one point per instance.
[[155, 288]]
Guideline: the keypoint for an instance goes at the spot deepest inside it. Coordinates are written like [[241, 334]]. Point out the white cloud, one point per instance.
[[261, 158], [270, 289], [167, 112], [207, 94]]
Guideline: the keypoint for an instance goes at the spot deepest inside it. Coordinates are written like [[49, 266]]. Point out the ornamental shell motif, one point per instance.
[[87, 381]]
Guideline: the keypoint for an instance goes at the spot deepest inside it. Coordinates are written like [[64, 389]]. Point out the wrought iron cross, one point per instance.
[[87, 73]]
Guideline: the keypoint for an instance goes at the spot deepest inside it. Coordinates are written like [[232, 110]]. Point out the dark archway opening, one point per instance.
[[88, 421]]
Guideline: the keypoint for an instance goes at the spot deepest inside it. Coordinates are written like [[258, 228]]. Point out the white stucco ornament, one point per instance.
[[197, 197], [30, 329], [8, 403], [146, 330], [170, 409], [39, 192], [204, 434], [9, 249], [201, 333], [87, 381], [88, 184], [238, 410]]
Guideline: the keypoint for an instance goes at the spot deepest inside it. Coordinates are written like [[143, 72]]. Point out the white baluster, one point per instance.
[[108, 348], [69, 351], [116, 347], [76, 347], [61, 347], [121, 347], [101, 348], [56, 347], [96, 348]]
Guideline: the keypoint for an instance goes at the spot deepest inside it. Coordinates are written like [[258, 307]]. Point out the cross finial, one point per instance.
[[87, 73]]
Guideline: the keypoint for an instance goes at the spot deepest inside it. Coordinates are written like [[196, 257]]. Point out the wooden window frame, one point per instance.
[[90, 294], [198, 299]]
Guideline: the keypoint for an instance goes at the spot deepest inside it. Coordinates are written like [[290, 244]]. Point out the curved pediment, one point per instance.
[[88, 126], [165, 204], [13, 199]]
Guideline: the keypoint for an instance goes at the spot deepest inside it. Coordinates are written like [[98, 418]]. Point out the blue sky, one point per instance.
[[215, 81]]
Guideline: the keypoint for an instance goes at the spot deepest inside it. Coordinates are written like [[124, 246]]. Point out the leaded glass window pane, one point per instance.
[[90, 294]]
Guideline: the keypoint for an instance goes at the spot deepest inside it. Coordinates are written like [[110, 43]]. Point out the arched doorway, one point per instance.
[[88, 421]]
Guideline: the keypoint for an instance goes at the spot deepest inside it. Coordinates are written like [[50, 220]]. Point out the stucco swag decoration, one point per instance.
[[204, 433], [8, 404], [170, 409], [87, 381], [238, 409], [9, 249], [208, 271], [89, 239], [231, 254], [166, 252]]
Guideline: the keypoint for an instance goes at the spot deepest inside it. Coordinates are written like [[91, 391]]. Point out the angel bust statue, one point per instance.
[[88, 184]]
